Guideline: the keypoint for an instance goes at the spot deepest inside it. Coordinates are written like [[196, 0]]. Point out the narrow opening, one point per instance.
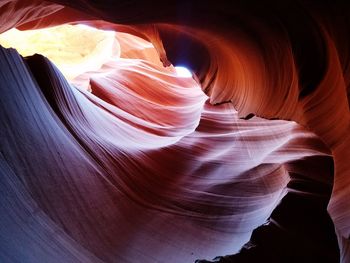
[[183, 72]]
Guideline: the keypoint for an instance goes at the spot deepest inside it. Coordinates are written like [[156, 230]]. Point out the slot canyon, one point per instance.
[[174, 131]]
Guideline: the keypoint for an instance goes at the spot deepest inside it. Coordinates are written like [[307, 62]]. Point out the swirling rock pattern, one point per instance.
[[131, 163]]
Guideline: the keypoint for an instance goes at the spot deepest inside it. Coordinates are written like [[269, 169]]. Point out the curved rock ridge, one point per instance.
[[129, 162]]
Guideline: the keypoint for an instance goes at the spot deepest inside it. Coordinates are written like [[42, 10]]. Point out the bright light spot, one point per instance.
[[74, 49], [183, 72]]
